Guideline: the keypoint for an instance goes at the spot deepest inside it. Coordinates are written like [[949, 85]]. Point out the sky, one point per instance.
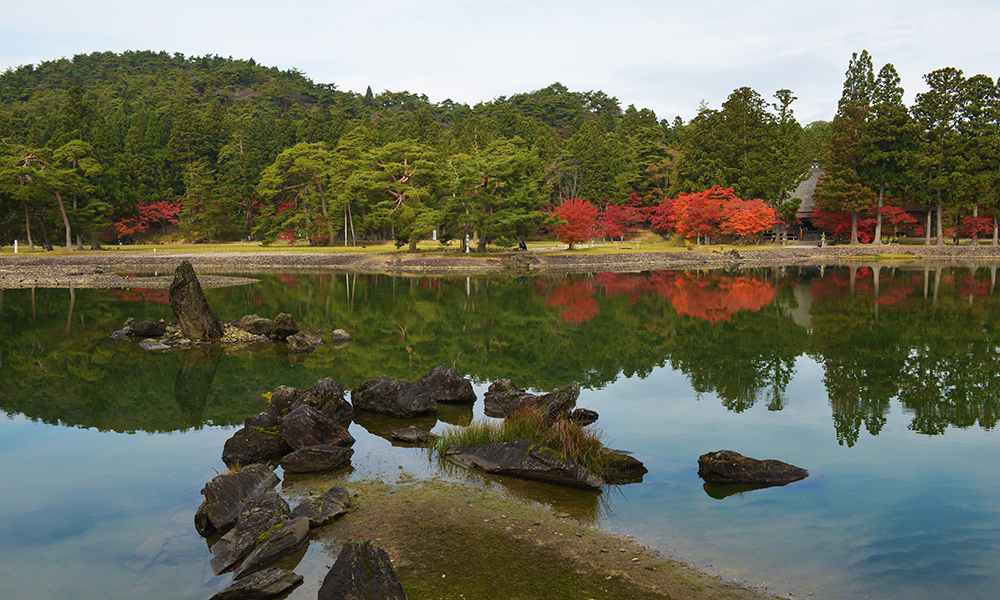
[[671, 57]]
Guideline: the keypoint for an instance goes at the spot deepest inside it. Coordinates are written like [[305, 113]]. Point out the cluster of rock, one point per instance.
[[525, 459], [197, 323], [729, 467]]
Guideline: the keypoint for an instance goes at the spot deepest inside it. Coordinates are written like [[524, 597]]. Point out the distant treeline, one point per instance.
[[121, 147]]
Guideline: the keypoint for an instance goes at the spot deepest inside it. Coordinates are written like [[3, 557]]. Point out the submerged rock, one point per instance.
[[726, 466], [323, 509], [261, 585], [526, 460], [412, 435], [398, 398], [362, 572], [620, 467]]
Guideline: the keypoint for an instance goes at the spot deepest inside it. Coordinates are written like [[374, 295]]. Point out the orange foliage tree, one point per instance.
[[578, 221], [747, 218]]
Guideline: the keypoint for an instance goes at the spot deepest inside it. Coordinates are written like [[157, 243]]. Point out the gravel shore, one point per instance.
[[117, 268]]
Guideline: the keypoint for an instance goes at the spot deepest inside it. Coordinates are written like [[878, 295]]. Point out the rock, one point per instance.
[[226, 493], [283, 399], [726, 466], [260, 585], [733, 254], [190, 306], [235, 335], [362, 572], [288, 538], [259, 516], [323, 509], [412, 435], [584, 416], [151, 344], [317, 459], [397, 398], [305, 426], [621, 467], [446, 385], [149, 329], [255, 325], [258, 442], [339, 337], [524, 460], [303, 341], [504, 399], [327, 396], [126, 330], [284, 326]]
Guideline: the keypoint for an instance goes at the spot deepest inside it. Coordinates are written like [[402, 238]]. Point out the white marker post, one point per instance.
[[15, 246]]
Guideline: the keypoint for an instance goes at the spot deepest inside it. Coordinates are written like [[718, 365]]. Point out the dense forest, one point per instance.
[[126, 147]]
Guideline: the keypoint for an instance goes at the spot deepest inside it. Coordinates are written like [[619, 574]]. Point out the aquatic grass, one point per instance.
[[567, 438]]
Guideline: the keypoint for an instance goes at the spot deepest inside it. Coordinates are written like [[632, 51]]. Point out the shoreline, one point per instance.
[[118, 269]]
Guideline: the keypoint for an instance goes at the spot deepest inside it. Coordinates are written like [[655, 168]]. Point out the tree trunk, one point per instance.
[[996, 231], [927, 230], [45, 230], [854, 228], [27, 227], [975, 232], [481, 245], [62, 211], [878, 215], [940, 222], [95, 241]]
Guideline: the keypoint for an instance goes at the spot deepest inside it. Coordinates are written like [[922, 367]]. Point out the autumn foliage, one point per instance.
[[710, 213], [578, 221]]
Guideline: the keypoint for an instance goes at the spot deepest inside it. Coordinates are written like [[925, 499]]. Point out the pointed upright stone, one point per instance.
[[190, 306]]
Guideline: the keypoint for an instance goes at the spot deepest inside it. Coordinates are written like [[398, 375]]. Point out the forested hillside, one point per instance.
[[126, 147]]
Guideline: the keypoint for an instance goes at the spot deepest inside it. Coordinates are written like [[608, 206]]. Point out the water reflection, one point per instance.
[[923, 337]]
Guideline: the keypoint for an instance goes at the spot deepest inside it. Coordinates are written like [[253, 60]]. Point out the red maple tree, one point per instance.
[[619, 220], [747, 218], [578, 221]]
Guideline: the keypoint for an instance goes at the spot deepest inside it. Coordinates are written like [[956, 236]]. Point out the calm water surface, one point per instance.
[[883, 384]]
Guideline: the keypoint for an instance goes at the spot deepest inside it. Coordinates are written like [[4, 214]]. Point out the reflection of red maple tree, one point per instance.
[[154, 296], [577, 297], [717, 299]]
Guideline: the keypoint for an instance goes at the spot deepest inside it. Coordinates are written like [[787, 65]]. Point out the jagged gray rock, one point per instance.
[[526, 460], [447, 385], [258, 516], [398, 398], [504, 398], [284, 326], [190, 306], [325, 508], [322, 458], [259, 440], [362, 572], [261, 585], [288, 538], [226, 493], [727, 466], [303, 341], [305, 426]]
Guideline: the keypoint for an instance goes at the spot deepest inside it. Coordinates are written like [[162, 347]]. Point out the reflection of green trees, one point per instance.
[[927, 339]]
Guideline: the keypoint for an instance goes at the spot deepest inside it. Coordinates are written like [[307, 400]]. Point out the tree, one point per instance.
[[842, 188], [294, 185], [577, 221], [747, 218]]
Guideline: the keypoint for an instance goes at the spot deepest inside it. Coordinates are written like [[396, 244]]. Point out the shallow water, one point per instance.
[[881, 384]]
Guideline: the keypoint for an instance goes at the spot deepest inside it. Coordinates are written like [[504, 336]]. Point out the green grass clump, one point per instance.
[[570, 440]]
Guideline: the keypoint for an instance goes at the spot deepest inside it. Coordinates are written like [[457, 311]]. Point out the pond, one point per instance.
[[882, 382]]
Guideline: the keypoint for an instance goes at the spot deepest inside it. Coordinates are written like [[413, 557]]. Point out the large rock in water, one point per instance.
[[521, 458], [190, 306], [305, 426], [726, 466], [259, 440], [362, 572], [446, 385], [226, 493], [260, 515], [288, 538], [397, 398], [320, 510]]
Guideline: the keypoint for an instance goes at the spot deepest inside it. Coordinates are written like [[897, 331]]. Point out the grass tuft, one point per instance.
[[570, 440]]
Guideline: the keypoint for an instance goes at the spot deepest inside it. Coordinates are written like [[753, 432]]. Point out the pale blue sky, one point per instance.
[[667, 55]]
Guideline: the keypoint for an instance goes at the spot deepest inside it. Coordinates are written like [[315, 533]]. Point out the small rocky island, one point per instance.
[[197, 324]]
